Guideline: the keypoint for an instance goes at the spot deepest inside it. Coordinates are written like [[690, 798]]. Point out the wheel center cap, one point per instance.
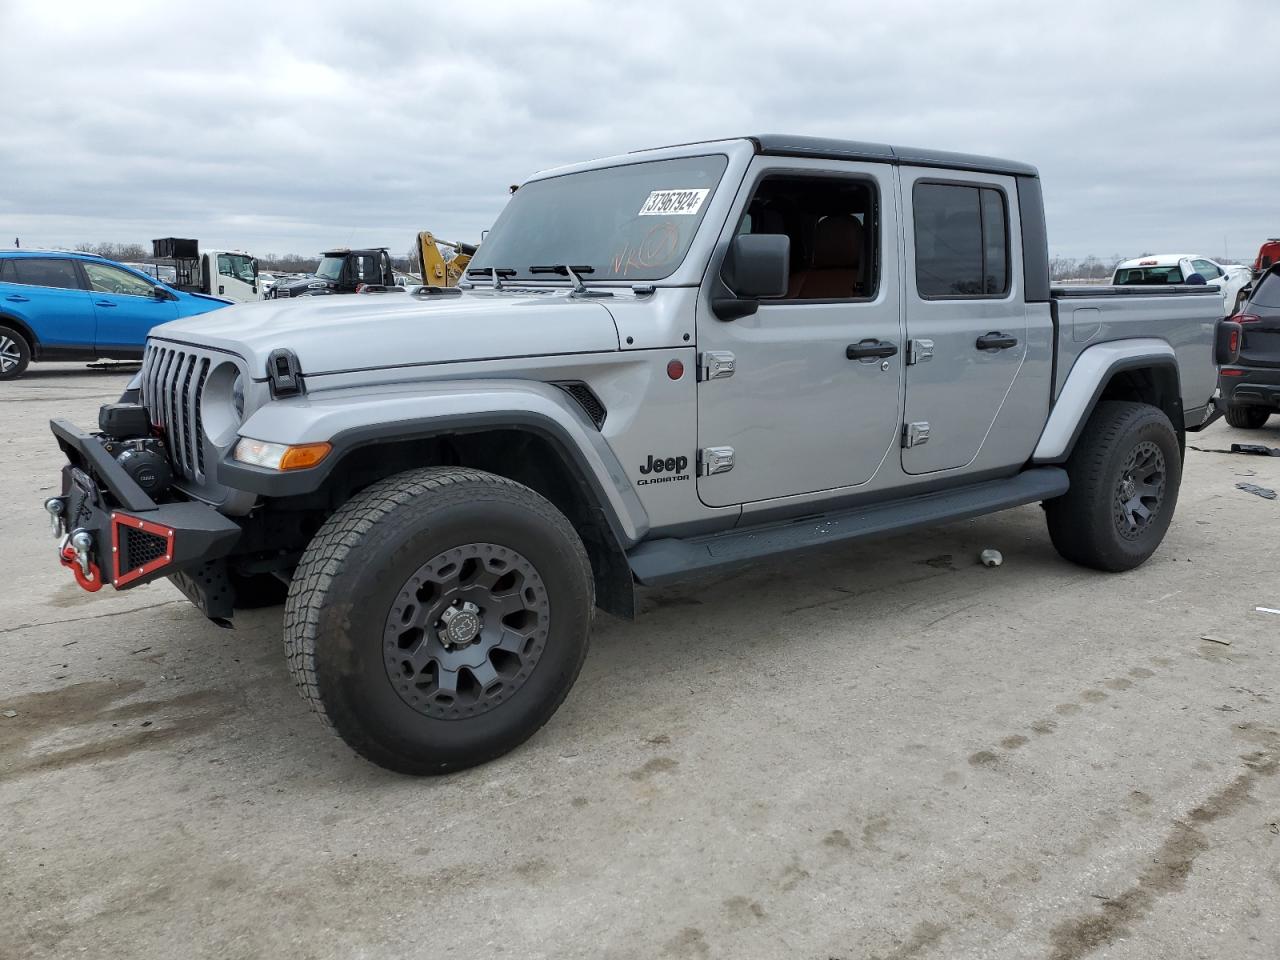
[[1128, 488], [461, 624]]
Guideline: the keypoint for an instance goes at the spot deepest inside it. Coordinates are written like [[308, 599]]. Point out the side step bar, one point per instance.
[[658, 562]]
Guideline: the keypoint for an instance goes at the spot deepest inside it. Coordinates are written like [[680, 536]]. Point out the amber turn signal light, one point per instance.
[[304, 455]]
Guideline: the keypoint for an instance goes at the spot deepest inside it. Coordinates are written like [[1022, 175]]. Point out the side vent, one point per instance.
[[587, 400]]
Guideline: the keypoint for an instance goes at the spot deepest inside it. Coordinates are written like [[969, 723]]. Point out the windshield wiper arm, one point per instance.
[[564, 270], [494, 273]]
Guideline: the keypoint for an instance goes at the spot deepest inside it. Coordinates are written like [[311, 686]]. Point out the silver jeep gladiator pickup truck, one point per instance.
[[663, 364]]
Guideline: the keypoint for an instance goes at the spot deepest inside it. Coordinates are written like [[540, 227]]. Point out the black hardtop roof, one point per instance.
[[788, 145]]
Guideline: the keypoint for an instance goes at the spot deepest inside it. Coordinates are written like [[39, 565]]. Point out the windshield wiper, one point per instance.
[[564, 270], [494, 273]]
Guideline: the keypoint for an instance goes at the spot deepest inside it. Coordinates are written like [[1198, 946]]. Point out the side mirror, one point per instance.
[[160, 293], [1226, 343], [757, 267]]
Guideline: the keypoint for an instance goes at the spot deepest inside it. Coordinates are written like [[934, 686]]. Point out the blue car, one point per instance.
[[56, 305]]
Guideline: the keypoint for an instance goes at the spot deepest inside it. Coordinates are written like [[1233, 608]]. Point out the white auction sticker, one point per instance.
[[663, 203]]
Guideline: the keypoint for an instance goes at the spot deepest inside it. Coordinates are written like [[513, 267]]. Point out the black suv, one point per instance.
[[1251, 386]]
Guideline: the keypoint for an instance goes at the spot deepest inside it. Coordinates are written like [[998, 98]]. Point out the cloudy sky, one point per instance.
[[280, 127]]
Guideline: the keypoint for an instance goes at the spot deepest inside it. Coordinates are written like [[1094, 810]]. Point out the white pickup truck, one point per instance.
[[1173, 268]]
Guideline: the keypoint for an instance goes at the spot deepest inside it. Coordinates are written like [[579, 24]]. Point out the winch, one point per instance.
[[129, 439]]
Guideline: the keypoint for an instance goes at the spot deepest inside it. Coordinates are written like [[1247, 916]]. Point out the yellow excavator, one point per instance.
[[436, 270]]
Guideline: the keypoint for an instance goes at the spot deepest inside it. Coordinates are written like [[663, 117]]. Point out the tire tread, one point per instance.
[[1247, 417], [1074, 522], [325, 556]]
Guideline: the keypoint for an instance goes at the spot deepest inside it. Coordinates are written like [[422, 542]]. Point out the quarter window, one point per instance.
[[962, 241], [108, 279], [46, 272]]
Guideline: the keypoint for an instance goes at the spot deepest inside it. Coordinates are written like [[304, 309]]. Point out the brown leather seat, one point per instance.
[[836, 269]]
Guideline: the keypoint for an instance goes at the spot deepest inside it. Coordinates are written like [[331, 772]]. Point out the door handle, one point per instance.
[[103, 303], [870, 350], [996, 341], [18, 298]]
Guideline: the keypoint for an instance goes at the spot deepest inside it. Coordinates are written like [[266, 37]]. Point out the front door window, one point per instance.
[[105, 278]]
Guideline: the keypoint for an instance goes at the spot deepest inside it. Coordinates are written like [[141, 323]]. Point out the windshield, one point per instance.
[[330, 268], [236, 265], [1148, 276], [634, 222]]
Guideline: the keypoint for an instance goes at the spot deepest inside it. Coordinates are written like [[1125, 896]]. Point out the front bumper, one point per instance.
[[111, 531], [1257, 386]]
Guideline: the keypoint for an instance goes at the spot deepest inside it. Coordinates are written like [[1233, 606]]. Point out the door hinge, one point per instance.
[[716, 364], [713, 460], [914, 434], [919, 351]]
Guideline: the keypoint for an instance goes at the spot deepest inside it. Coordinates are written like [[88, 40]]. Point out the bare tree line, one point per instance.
[[1060, 268], [1087, 268], [284, 263]]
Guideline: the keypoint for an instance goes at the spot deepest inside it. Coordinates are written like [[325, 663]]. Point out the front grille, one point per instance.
[[172, 380], [140, 548]]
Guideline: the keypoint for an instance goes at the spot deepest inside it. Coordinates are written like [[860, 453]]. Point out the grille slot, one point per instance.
[[172, 383], [199, 428], [140, 548]]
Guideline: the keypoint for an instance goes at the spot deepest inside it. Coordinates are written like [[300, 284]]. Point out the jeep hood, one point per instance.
[[368, 331]]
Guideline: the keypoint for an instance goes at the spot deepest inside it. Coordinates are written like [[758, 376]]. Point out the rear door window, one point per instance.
[[962, 241], [46, 272], [1206, 269]]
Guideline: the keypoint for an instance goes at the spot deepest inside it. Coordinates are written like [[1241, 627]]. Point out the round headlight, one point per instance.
[[222, 403]]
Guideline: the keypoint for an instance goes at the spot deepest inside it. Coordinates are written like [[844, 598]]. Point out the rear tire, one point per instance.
[[1247, 417], [15, 354], [1125, 472], [439, 617]]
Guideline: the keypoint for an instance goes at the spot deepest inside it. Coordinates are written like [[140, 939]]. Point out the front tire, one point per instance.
[[15, 354], [1247, 417], [439, 617], [1125, 472]]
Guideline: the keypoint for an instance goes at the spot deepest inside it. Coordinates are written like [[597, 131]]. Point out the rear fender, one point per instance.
[[13, 323], [1093, 372]]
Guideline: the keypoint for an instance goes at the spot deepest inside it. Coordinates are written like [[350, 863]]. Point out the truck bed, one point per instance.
[[1184, 316]]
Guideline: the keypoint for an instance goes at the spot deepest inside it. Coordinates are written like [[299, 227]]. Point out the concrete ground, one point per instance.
[[885, 752]]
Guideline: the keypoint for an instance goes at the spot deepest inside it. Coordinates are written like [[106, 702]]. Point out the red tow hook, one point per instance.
[[70, 558]]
